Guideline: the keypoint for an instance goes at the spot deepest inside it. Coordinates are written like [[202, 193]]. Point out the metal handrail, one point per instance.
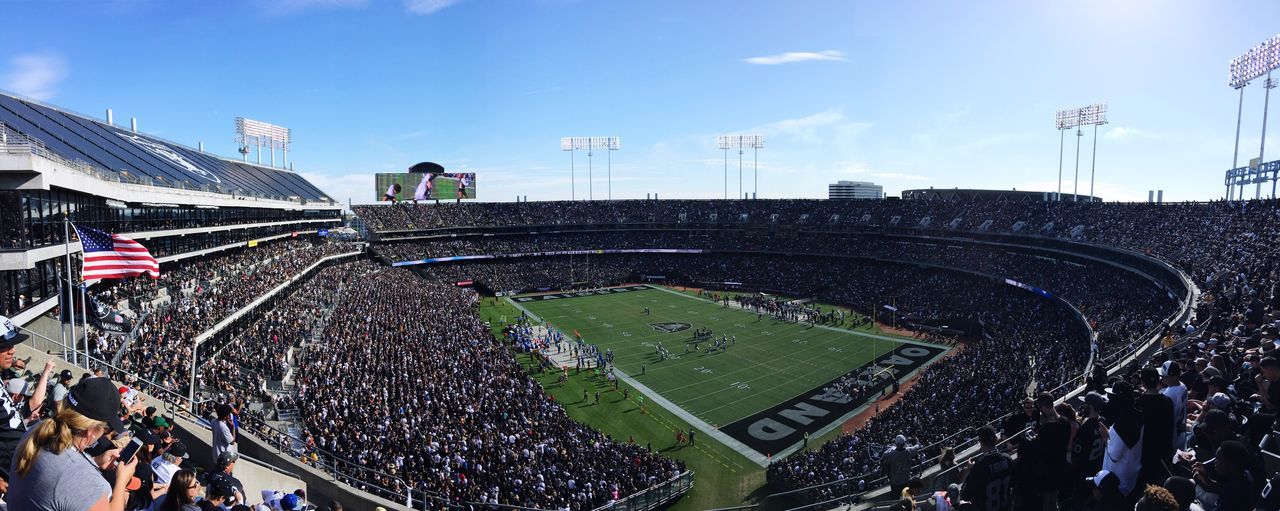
[[323, 456], [168, 397]]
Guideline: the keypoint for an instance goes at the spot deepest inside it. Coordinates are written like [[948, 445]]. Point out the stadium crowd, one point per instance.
[[452, 413], [196, 296], [444, 406]]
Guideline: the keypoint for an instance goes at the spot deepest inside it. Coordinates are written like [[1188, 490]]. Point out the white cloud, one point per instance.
[[427, 7], [795, 56], [1121, 134], [829, 125], [356, 187], [36, 75]]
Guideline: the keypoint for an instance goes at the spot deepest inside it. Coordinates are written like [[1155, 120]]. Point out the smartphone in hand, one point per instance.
[[129, 451]]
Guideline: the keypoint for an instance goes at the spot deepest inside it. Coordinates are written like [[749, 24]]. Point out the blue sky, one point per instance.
[[905, 94]]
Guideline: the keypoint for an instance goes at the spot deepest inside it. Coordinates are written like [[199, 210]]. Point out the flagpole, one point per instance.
[[71, 309], [191, 393], [84, 302], [63, 324]]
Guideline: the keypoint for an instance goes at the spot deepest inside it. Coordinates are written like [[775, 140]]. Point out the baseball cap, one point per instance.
[[271, 497], [900, 440], [290, 502], [221, 488], [98, 399], [1220, 401], [179, 450], [65, 375], [227, 458], [161, 422], [1096, 400], [19, 386]]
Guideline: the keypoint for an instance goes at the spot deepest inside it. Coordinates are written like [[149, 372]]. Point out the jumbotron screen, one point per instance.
[[415, 186]]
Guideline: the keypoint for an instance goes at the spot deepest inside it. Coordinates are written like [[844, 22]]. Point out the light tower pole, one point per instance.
[[590, 144], [741, 142], [1098, 117], [1259, 61], [1262, 146], [1075, 190], [1063, 120], [567, 144], [1235, 155], [1095, 115]]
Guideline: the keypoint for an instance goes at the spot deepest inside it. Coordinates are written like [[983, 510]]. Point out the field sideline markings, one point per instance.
[[906, 340], [746, 363], [874, 336], [658, 399], [830, 427]]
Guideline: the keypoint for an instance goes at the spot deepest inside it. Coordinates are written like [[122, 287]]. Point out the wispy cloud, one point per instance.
[[827, 126], [795, 56], [862, 169], [36, 75], [1121, 134], [427, 7]]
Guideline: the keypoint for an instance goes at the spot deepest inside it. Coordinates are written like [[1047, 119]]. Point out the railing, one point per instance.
[[653, 497], [174, 403]]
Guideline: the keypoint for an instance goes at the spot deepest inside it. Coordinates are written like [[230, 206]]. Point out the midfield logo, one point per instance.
[[670, 328]]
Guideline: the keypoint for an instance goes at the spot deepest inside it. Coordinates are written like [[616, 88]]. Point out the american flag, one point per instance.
[[108, 256]]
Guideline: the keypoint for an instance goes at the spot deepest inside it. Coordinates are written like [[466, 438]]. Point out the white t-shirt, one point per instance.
[[1178, 394], [164, 470], [65, 480]]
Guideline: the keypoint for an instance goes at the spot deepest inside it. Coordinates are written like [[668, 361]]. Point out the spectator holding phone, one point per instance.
[[50, 470]]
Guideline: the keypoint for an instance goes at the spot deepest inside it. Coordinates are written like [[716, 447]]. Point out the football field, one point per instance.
[[765, 390], [447, 188]]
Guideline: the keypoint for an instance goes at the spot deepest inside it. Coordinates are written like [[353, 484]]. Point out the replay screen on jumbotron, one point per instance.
[[416, 186]]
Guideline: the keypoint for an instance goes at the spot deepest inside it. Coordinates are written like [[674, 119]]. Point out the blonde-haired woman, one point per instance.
[[51, 472]]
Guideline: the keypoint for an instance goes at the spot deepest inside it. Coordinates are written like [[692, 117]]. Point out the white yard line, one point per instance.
[[834, 329], [728, 441]]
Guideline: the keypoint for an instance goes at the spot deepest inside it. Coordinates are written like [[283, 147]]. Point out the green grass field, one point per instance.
[[447, 188], [772, 361]]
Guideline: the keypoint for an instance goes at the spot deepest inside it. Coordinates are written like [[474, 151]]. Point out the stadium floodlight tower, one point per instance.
[[591, 144], [1064, 120], [1259, 61], [740, 142], [1093, 115], [257, 133]]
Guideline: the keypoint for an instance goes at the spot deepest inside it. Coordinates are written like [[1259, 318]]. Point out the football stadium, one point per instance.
[[204, 327]]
